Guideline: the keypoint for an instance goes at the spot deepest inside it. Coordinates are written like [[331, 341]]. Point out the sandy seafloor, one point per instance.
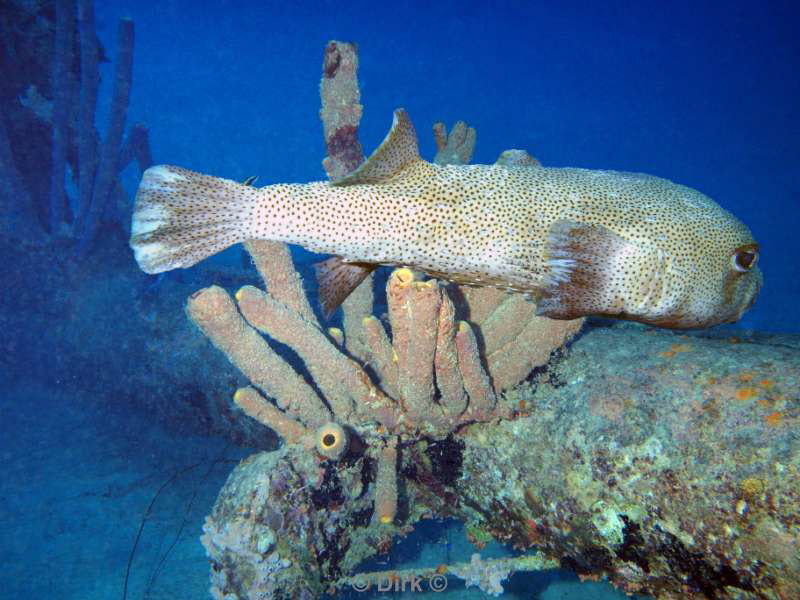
[[78, 477]]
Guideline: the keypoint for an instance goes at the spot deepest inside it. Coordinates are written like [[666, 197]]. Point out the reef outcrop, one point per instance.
[[676, 476]]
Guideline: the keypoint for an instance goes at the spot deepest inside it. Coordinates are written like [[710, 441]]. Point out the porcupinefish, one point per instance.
[[579, 242]]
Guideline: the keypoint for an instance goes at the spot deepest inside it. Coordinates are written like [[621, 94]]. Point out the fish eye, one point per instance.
[[745, 258]]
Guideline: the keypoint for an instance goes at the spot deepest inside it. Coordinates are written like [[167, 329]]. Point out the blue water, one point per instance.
[[705, 94]]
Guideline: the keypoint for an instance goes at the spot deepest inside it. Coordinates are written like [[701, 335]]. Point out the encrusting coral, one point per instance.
[[371, 395]]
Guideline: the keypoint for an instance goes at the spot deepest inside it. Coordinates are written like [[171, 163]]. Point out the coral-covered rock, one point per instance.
[[667, 463]]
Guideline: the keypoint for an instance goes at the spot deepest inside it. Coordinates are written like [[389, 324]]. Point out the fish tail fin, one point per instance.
[[181, 217]]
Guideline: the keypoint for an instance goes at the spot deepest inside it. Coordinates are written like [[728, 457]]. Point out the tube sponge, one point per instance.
[[332, 440], [386, 485]]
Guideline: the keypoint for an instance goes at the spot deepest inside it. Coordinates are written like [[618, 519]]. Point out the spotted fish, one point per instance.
[[578, 242]]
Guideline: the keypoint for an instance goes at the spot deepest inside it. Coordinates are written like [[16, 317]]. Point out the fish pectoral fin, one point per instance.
[[337, 279], [582, 271], [398, 150]]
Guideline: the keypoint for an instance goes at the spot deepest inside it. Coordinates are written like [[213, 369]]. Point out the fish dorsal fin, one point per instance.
[[397, 151]]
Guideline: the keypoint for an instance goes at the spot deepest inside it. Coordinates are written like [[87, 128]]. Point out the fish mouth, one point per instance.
[[752, 300], [753, 295]]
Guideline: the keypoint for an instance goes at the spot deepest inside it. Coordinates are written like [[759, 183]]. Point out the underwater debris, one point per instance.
[[486, 574]]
